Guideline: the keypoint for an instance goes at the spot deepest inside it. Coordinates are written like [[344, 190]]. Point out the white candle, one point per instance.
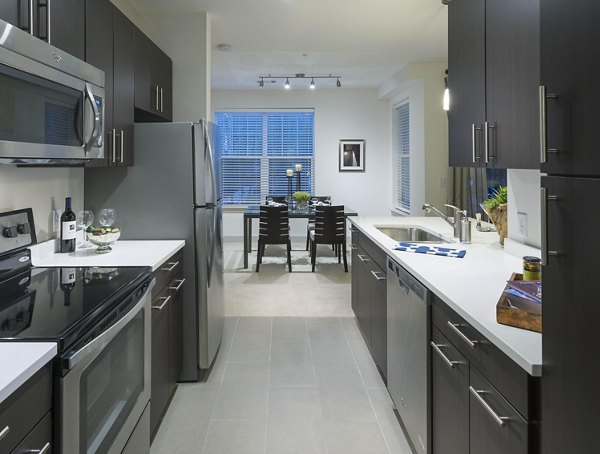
[[290, 172], [298, 167]]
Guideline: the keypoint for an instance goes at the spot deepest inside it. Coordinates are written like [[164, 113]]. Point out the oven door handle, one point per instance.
[[101, 341]]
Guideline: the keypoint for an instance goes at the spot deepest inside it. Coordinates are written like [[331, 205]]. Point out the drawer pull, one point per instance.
[[4, 432], [45, 449], [501, 420], [438, 350], [376, 275], [172, 267], [161, 307], [362, 258], [456, 328], [181, 281]]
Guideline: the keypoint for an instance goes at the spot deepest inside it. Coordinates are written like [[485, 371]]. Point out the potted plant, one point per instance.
[[496, 209], [302, 198]]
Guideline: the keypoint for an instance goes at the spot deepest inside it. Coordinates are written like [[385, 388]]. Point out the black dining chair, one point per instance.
[[273, 228], [276, 199], [311, 219], [330, 228]]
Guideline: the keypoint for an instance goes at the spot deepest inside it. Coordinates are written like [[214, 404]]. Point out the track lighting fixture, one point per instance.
[[272, 79]]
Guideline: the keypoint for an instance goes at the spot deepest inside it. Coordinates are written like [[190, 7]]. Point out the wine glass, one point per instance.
[[85, 218], [107, 217]]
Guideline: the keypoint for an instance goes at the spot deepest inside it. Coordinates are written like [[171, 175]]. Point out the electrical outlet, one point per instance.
[[522, 218]]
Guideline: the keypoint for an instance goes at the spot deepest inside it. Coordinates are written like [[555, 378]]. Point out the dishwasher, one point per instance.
[[407, 350]]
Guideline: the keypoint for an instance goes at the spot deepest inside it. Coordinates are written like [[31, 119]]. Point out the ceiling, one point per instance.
[[365, 42]]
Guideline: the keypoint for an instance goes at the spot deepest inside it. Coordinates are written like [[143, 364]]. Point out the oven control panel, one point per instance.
[[16, 230]]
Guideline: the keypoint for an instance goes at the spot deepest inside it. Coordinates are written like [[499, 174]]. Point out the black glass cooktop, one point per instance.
[[60, 304]]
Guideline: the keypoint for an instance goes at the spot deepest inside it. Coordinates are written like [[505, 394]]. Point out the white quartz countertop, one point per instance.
[[471, 286], [20, 361], [150, 253]]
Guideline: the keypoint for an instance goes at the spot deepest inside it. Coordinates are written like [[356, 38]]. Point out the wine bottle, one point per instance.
[[68, 228]]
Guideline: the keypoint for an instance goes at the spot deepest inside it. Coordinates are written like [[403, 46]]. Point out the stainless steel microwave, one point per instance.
[[51, 103]]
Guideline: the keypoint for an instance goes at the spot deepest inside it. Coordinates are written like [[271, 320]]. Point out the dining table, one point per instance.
[[253, 212]]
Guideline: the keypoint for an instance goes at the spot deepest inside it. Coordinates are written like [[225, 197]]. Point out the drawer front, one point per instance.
[[20, 412], [39, 440], [495, 426], [171, 269], [509, 378], [373, 251], [355, 236]]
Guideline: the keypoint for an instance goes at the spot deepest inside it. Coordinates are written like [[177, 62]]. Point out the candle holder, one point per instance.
[[289, 178], [298, 181]]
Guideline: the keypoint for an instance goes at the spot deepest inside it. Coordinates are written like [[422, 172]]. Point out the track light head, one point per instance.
[[338, 83], [287, 84], [261, 82], [312, 84]]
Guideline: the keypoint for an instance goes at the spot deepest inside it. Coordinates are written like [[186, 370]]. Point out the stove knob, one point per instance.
[[10, 232], [24, 229]]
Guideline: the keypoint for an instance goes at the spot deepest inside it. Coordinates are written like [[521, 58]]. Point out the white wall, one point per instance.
[[42, 189], [339, 114], [524, 197]]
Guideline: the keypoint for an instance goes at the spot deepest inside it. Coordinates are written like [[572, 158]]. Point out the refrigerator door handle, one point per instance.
[[211, 164]]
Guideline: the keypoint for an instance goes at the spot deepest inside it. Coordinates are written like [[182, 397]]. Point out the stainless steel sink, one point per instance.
[[411, 234]]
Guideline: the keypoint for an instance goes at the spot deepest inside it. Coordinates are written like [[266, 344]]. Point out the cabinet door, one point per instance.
[[163, 79], [160, 359], [99, 53], [570, 63], [124, 87], [449, 397], [512, 79], [466, 81], [145, 95], [354, 280], [38, 439], [14, 12], [175, 334], [570, 384], [365, 314], [495, 426], [67, 25], [377, 284]]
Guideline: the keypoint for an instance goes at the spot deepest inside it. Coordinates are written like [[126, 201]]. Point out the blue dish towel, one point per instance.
[[431, 250]]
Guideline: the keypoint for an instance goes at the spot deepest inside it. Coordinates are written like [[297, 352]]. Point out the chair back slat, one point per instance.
[[274, 225], [330, 224]]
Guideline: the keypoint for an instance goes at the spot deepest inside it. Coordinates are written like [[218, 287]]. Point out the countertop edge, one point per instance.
[[533, 369]]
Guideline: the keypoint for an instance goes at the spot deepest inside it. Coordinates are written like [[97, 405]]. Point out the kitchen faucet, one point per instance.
[[459, 222]]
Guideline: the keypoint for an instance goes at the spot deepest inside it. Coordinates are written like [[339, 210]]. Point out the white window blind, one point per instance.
[[256, 150], [401, 119]]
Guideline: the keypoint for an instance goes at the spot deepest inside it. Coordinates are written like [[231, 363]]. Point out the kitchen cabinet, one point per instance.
[[570, 61], [153, 81], [167, 341], [65, 20], [110, 47], [570, 323], [27, 415], [493, 74], [481, 400], [369, 296]]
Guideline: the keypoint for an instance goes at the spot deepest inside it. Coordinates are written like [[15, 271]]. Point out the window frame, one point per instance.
[[398, 155]]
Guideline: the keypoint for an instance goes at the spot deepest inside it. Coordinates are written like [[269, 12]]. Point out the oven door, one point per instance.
[[107, 386], [47, 115]]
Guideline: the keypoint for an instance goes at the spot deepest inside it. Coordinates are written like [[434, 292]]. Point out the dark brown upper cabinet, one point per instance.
[[110, 39], [493, 77], [59, 22], [153, 81], [570, 63]]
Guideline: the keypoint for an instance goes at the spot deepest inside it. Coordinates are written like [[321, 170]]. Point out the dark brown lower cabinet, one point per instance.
[[38, 439], [378, 295], [160, 359]]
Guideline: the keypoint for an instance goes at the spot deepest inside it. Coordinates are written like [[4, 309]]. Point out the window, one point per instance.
[[401, 160], [256, 150]]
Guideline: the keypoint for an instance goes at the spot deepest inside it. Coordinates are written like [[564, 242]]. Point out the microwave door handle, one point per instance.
[[89, 96]]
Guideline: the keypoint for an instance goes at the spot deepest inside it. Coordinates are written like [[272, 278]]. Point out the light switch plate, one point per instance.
[[522, 219]]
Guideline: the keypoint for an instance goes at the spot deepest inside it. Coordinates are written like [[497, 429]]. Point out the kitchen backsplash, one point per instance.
[[524, 199]]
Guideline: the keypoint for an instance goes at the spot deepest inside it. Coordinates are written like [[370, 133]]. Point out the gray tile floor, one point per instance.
[[285, 384]]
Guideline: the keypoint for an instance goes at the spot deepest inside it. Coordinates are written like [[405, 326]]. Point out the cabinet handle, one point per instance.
[[473, 146], [161, 307], [31, 17], [544, 215], [362, 258], [544, 150], [455, 327], [4, 432], [122, 145], [45, 449], [438, 350], [48, 21], [181, 281], [486, 141], [501, 420], [161, 100], [114, 146], [156, 98], [376, 275], [172, 267]]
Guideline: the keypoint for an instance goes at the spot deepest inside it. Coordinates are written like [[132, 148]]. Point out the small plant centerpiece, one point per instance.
[[495, 208], [302, 198]]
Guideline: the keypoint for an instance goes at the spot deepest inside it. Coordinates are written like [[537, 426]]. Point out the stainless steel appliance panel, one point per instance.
[[407, 321]]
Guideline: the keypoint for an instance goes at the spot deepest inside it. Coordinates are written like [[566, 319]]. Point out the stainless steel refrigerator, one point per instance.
[[173, 192]]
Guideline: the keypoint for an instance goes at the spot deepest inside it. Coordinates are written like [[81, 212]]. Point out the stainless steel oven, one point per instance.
[[105, 383], [52, 104]]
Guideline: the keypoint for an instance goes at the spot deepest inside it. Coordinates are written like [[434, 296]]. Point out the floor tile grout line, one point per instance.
[[368, 395], [312, 361]]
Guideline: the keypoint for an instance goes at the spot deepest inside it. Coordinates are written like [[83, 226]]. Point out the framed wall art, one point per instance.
[[352, 155]]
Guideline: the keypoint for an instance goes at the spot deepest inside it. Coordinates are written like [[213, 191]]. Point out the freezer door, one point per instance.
[[205, 173], [209, 282]]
